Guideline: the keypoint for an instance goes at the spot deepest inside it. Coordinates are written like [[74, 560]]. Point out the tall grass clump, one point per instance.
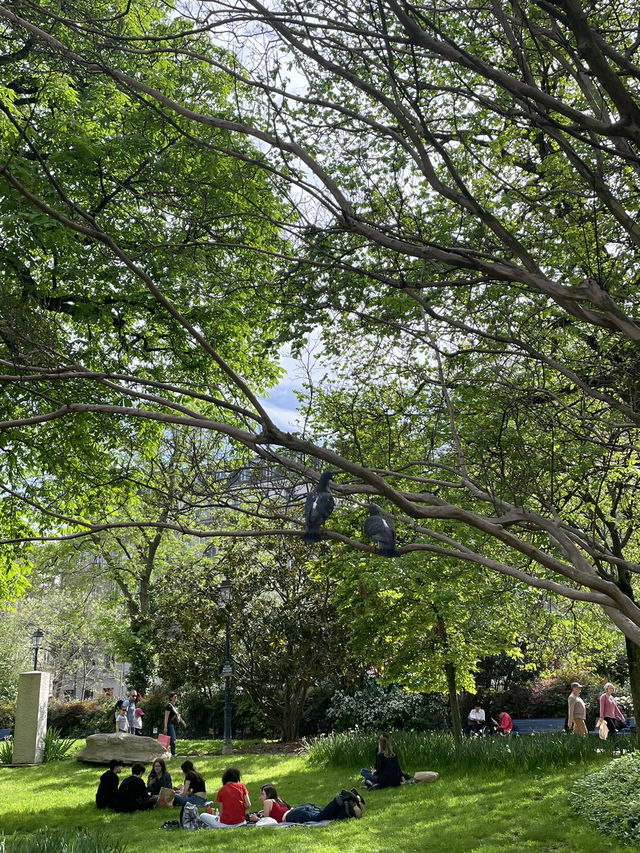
[[56, 747], [47, 841], [6, 752], [438, 751], [610, 798]]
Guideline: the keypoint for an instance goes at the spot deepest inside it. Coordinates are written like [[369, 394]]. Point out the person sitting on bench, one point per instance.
[[476, 719]]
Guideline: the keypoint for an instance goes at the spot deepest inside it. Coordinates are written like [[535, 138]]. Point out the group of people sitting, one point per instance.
[[132, 794], [232, 799], [477, 722]]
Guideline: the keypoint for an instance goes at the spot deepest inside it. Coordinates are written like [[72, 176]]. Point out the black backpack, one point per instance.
[[352, 802]]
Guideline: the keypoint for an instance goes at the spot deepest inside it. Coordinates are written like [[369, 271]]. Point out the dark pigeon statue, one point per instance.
[[381, 531], [317, 508]]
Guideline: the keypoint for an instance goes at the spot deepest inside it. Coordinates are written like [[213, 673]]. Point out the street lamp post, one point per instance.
[[36, 643], [226, 668]]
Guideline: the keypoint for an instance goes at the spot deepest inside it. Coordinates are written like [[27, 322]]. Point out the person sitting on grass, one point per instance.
[[159, 777], [387, 772], [108, 786], [132, 793], [194, 789], [281, 812], [233, 798]]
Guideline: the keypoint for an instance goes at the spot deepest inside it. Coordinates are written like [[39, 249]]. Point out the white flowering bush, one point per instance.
[[373, 707]]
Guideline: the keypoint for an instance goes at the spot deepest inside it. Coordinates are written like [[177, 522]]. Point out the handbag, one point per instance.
[[425, 776], [603, 730], [165, 798], [164, 740]]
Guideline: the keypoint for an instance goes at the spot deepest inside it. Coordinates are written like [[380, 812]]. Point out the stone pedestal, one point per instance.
[[31, 718]]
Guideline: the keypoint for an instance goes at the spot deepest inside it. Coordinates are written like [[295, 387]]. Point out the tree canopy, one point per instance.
[[455, 216]]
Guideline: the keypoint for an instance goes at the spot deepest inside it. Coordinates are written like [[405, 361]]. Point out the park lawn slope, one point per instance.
[[487, 812]]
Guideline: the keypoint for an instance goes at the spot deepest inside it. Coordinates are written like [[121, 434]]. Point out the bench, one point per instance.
[[5, 734], [544, 726]]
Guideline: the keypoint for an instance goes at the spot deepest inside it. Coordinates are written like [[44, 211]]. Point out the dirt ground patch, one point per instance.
[[297, 747]]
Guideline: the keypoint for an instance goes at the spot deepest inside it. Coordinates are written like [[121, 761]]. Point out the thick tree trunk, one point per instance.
[[633, 649], [456, 725], [633, 659]]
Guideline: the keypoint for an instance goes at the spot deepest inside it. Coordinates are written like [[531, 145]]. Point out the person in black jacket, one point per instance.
[[132, 793], [108, 787], [387, 772]]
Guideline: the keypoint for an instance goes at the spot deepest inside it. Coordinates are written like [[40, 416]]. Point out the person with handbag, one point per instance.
[[171, 719], [609, 710]]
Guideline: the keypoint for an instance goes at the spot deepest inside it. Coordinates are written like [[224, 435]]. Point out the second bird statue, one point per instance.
[[381, 531]]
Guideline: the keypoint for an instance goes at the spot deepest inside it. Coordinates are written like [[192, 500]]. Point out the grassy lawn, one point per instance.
[[487, 812]]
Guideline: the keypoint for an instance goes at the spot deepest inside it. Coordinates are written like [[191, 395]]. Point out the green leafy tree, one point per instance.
[[289, 643], [461, 190]]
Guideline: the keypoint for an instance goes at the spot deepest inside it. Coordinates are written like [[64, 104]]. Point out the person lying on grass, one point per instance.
[[273, 806], [132, 793], [108, 786]]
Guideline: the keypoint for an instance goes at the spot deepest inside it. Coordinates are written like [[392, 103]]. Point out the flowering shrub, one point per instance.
[[373, 707]]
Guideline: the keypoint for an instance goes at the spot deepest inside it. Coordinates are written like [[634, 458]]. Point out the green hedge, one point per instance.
[[610, 798]]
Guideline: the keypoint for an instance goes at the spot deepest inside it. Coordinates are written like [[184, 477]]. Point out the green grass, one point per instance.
[[489, 812]]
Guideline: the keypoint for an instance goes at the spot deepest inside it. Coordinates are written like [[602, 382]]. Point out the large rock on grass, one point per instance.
[[101, 748]]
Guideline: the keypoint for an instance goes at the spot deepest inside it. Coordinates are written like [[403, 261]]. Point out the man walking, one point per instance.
[[577, 716]]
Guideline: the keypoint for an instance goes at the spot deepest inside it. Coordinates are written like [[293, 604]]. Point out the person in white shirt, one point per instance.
[[476, 719]]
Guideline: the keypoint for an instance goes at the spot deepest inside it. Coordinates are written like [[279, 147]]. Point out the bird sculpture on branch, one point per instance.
[[381, 531], [317, 508]]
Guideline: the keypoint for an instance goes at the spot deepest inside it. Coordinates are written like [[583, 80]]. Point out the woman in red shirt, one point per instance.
[[233, 798], [272, 805]]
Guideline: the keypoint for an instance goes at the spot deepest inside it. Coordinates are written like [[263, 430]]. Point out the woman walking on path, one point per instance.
[[609, 710]]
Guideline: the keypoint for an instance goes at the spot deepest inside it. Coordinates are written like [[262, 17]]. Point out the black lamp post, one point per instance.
[[36, 643], [226, 669]]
